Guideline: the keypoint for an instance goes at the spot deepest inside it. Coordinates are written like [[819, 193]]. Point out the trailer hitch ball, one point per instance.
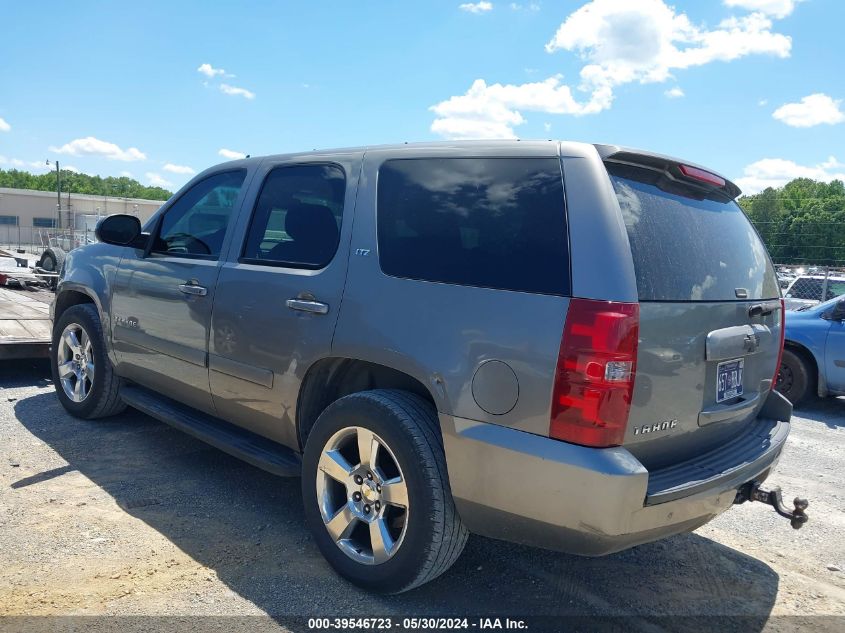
[[799, 517], [753, 492]]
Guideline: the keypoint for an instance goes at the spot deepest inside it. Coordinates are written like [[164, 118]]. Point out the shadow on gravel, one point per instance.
[[247, 525], [25, 373], [830, 411]]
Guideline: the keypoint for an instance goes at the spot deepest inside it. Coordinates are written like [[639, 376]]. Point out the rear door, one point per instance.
[[710, 313], [278, 295]]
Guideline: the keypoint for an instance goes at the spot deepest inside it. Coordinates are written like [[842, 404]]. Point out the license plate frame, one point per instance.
[[729, 379]]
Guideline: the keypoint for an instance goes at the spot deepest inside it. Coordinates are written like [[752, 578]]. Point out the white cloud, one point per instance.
[[776, 172], [814, 109], [72, 168], [156, 180], [90, 146], [126, 174], [645, 41], [493, 111], [775, 8], [210, 71], [235, 91], [230, 154], [547, 126], [17, 163], [178, 169], [4, 127], [476, 7], [674, 93], [531, 6], [763, 102], [620, 42]]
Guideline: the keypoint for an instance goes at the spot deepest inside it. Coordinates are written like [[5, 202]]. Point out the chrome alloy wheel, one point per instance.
[[363, 496], [75, 360]]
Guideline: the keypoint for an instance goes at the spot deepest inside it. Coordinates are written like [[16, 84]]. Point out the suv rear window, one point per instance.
[[688, 245], [488, 222]]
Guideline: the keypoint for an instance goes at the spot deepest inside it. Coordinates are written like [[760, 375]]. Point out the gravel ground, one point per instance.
[[128, 516]]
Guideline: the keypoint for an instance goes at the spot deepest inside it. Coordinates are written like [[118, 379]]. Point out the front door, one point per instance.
[[161, 302], [834, 357], [278, 296]]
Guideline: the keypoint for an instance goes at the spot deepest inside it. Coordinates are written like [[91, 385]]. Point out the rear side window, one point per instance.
[[297, 218], [687, 246], [488, 222]]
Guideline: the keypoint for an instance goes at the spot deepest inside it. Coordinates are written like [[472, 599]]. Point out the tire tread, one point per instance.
[[447, 523]]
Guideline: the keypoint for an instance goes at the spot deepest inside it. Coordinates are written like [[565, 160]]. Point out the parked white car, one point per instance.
[[806, 290]]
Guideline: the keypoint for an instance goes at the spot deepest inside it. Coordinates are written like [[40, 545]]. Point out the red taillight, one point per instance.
[[595, 373], [782, 337], [703, 176]]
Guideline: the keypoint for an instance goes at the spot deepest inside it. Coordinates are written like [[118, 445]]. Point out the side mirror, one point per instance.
[[838, 312], [120, 230]]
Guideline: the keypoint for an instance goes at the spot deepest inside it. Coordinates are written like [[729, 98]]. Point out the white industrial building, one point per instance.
[[26, 209]]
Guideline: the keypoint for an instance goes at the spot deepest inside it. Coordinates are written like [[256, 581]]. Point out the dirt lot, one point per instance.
[[127, 516]]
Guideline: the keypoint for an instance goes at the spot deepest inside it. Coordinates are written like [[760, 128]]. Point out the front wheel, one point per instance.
[[83, 376], [376, 491]]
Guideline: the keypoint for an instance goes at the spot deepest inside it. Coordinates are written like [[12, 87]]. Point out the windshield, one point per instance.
[[821, 307]]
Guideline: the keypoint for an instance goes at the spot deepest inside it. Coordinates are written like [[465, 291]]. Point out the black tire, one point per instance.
[[103, 398], [796, 379], [435, 536], [52, 261]]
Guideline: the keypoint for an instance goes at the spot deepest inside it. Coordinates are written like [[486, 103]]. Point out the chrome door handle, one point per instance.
[[305, 305], [193, 289]]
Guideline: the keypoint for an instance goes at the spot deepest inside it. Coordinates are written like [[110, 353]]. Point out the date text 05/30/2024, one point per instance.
[[416, 623]]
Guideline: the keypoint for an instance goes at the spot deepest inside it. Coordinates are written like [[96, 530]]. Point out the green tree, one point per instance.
[[82, 183], [801, 222]]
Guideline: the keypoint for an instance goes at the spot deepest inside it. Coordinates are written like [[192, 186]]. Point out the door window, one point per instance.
[[297, 218], [194, 226]]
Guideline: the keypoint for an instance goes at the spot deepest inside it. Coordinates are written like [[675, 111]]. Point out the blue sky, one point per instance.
[[154, 89]]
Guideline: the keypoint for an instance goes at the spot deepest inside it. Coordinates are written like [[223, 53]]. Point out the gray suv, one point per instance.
[[560, 344]]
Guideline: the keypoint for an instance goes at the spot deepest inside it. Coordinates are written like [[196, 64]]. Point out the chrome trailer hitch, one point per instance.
[[753, 492]]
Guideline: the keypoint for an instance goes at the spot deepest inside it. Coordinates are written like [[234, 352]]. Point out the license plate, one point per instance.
[[729, 379]]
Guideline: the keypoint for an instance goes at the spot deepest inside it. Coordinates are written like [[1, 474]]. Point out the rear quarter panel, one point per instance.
[[440, 333], [807, 330]]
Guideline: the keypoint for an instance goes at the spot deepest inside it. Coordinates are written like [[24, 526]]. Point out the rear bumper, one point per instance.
[[529, 489]]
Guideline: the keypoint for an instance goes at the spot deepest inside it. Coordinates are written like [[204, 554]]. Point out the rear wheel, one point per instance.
[[795, 378], [376, 491]]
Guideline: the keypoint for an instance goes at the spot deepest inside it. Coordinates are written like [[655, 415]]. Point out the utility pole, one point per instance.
[[58, 195]]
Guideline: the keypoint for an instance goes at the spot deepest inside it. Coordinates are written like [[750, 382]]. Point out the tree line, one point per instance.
[[78, 183], [802, 222]]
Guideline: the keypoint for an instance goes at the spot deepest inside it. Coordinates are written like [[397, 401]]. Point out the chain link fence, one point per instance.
[[33, 240]]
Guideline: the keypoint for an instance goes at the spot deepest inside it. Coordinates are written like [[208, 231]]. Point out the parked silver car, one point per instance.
[[560, 344]]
